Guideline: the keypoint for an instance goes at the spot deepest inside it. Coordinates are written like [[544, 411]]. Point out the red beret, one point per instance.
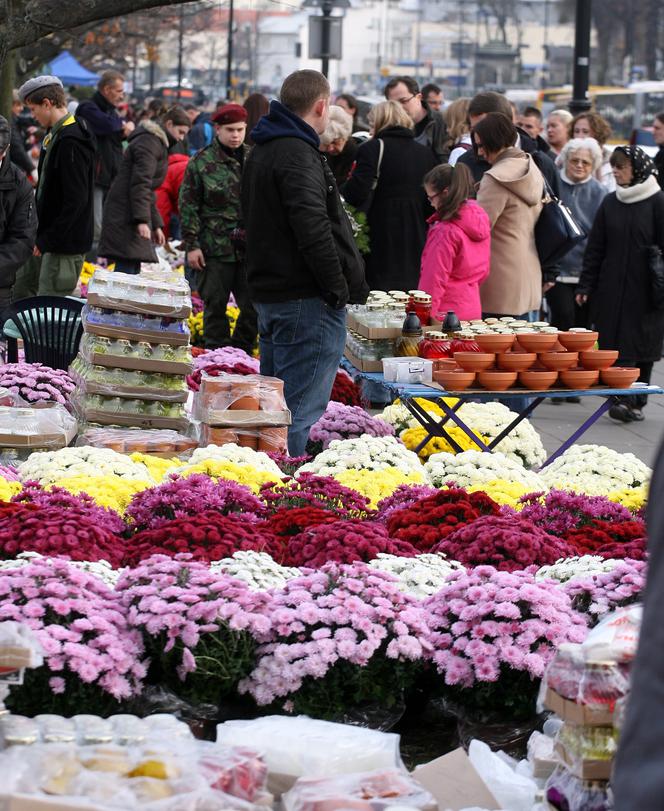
[[230, 114]]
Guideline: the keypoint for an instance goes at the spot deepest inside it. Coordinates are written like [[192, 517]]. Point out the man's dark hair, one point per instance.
[[495, 132], [54, 93], [532, 112], [302, 89], [411, 84], [351, 101], [177, 116], [430, 88], [109, 77], [489, 102]]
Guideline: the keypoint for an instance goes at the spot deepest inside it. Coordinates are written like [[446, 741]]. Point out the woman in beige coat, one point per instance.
[[511, 194]]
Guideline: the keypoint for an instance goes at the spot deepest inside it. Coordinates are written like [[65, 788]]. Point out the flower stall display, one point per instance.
[[365, 452], [420, 576], [595, 470], [429, 520], [115, 492], [310, 490], [218, 469], [572, 568], [159, 467], [343, 542], [508, 494], [380, 484], [597, 593], [178, 497], [50, 466], [508, 543], [610, 539], [93, 658], [207, 535], [404, 496], [344, 422], [257, 569], [493, 633], [239, 456], [471, 468], [286, 522], [341, 637], [199, 626], [560, 511], [36, 383]]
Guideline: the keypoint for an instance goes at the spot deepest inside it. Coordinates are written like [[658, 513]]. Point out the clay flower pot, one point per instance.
[[496, 381], [495, 342], [454, 381], [598, 358], [578, 341], [579, 378], [516, 361], [556, 361], [538, 381], [619, 377], [537, 341], [474, 361]]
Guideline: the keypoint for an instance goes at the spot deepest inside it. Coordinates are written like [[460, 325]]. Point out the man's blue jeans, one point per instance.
[[302, 342]]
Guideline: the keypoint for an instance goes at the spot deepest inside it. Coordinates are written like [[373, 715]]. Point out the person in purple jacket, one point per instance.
[[110, 130]]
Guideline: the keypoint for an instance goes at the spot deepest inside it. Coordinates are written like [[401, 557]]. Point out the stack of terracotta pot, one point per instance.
[[535, 361], [247, 410]]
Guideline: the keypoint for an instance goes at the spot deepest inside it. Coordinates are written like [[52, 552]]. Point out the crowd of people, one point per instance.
[[452, 195]]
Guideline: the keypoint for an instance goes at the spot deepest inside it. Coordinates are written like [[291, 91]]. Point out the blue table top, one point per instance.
[[430, 392]]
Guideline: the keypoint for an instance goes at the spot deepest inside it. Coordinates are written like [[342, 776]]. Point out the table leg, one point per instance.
[[468, 431], [519, 418], [592, 419], [431, 426]]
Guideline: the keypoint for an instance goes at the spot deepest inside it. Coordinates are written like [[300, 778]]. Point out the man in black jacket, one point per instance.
[[64, 192], [18, 220], [430, 127], [302, 263], [109, 130]]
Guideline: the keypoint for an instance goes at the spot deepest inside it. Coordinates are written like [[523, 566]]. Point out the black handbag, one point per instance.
[[556, 230], [364, 208], [656, 265]]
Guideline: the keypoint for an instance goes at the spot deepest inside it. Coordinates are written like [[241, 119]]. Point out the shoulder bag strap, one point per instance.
[[381, 149]]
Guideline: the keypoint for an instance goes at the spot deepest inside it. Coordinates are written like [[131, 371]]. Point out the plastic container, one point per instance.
[[407, 370]]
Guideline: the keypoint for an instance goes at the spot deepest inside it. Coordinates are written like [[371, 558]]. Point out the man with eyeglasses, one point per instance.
[[430, 127]]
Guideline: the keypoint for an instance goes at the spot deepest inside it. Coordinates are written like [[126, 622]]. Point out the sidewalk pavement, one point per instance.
[[556, 423]]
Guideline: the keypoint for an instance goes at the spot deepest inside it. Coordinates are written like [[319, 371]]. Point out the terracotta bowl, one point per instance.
[[496, 381], [537, 341], [579, 378], [559, 360], [445, 365], [598, 358], [578, 341], [619, 377], [538, 381], [474, 361], [495, 343], [516, 361], [454, 381]]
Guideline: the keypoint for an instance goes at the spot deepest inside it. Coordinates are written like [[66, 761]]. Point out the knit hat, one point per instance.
[[5, 133], [230, 114], [37, 84]]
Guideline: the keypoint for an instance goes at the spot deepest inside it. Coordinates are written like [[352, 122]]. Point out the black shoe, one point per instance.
[[572, 399], [620, 412], [636, 414], [556, 401]]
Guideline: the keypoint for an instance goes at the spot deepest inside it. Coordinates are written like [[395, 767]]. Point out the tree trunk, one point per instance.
[[7, 85], [652, 42]]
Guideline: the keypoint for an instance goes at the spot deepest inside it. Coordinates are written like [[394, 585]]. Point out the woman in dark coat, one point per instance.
[[398, 211], [616, 277], [131, 223]]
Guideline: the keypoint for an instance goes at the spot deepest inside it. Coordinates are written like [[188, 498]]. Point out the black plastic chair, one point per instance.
[[50, 327]]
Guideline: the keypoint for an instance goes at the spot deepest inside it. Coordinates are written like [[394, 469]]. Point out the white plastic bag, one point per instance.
[[616, 637], [513, 791]]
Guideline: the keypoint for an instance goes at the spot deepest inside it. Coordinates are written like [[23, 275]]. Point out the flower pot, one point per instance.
[[496, 381], [578, 341], [248, 439], [516, 361], [475, 361], [556, 361], [598, 358], [495, 342], [619, 377], [454, 381], [537, 341], [245, 396], [579, 378], [536, 380]]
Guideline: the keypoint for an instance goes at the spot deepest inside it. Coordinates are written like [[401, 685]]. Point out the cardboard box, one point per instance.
[[151, 336], [227, 418], [166, 367], [128, 306], [135, 420], [585, 769], [373, 333], [454, 782], [364, 365], [575, 713]]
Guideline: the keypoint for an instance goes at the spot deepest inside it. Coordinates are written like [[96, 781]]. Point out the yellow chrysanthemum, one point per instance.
[[232, 314], [412, 437], [9, 489], [196, 327], [87, 272], [631, 497], [157, 466], [503, 491], [108, 491], [377, 484], [242, 474]]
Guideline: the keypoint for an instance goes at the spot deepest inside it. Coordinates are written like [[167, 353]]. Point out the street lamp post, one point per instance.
[[325, 37], [580, 102], [229, 53]]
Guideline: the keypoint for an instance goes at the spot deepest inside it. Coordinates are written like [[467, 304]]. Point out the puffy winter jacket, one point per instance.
[[168, 192], [456, 260], [18, 222]]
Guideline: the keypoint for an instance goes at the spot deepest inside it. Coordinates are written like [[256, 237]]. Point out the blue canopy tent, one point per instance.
[[69, 71]]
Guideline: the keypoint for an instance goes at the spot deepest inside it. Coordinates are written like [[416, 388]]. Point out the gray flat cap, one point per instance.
[[36, 84]]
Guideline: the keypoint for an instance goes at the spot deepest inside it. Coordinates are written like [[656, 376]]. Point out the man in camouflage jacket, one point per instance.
[[211, 224]]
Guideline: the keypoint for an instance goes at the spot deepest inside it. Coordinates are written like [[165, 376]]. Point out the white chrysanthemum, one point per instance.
[[595, 470], [474, 467], [237, 454], [258, 570], [101, 569], [48, 467], [571, 568], [420, 576], [364, 453]]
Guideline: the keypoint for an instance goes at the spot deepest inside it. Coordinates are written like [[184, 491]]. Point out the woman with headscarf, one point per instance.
[[616, 281]]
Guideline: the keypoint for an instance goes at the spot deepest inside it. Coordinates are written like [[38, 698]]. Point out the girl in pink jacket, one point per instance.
[[456, 256]]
